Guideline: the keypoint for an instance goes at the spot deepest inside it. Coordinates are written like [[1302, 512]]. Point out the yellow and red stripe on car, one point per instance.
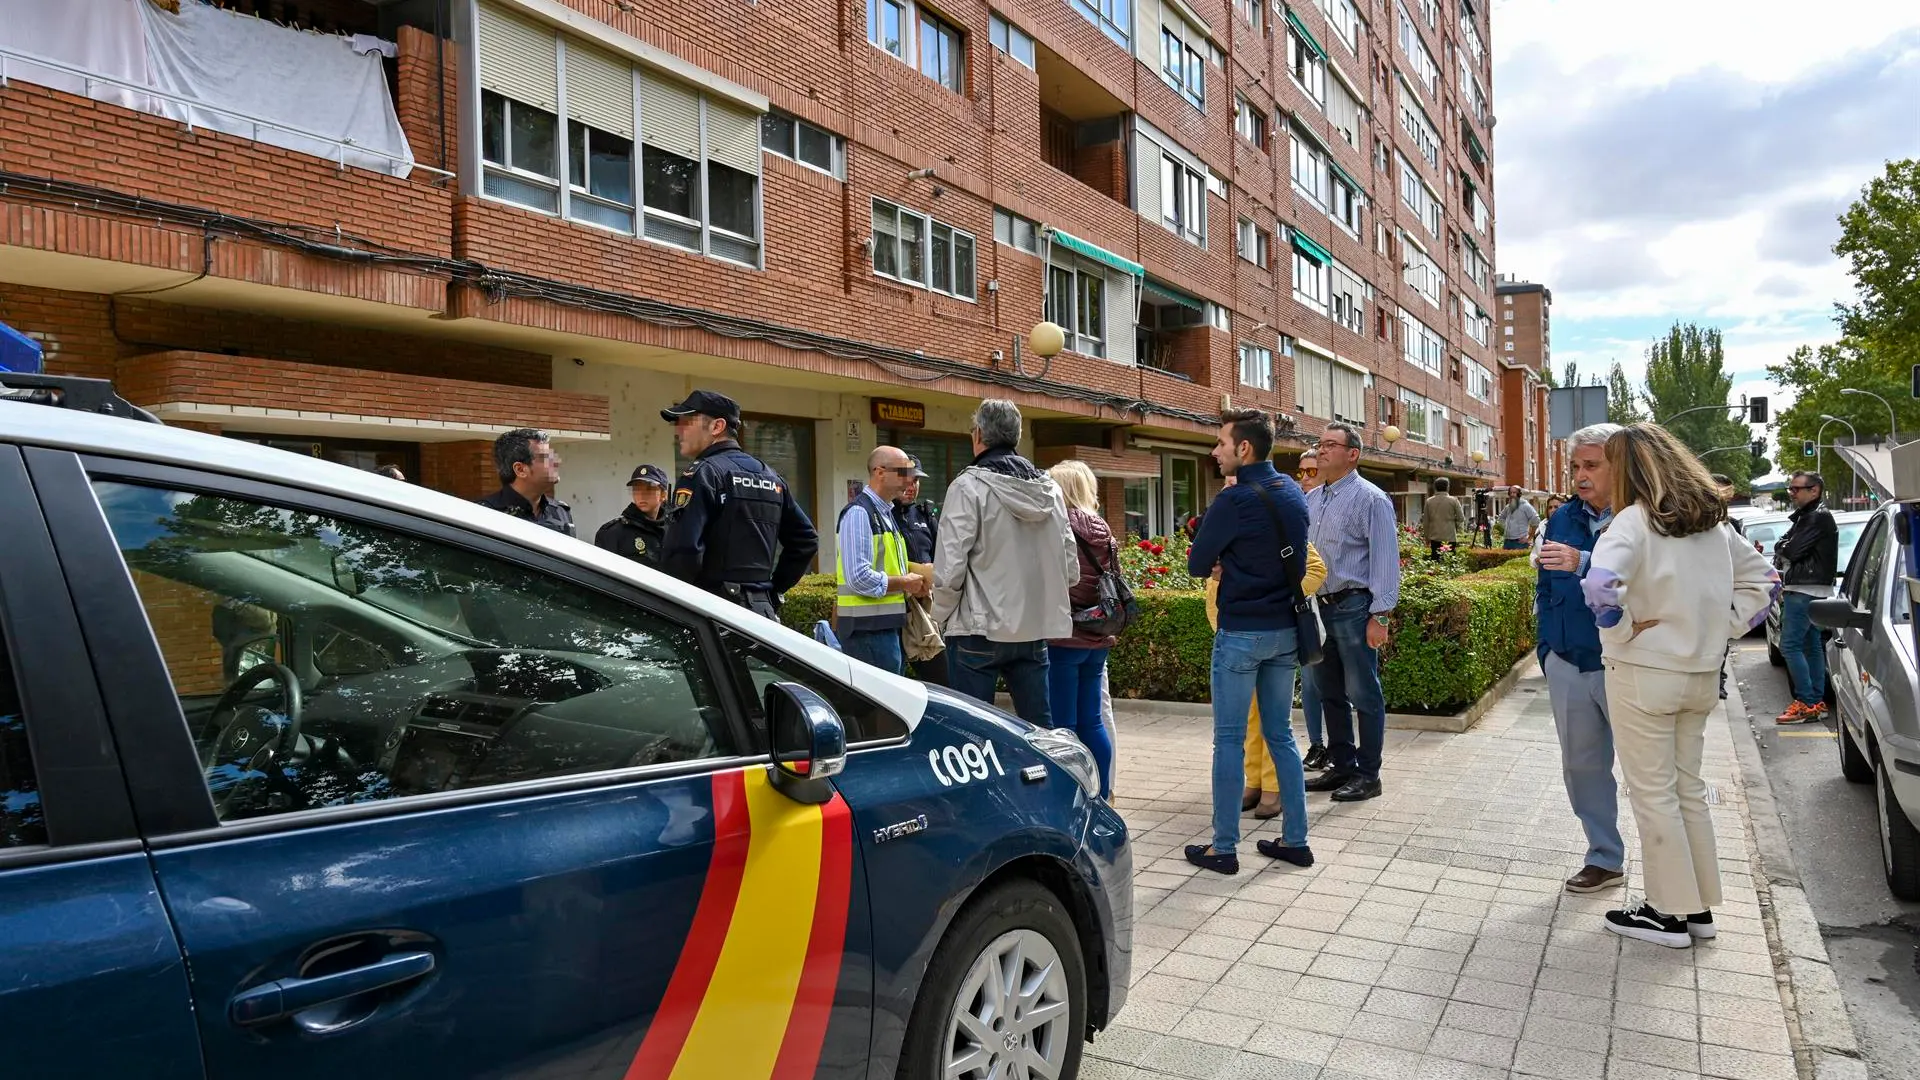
[[753, 989]]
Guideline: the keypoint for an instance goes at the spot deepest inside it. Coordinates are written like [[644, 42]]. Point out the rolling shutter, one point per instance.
[[733, 136], [1146, 177], [1122, 315], [670, 116], [518, 59], [599, 90]]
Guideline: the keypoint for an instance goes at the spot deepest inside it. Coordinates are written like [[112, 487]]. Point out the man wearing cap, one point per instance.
[[529, 471], [870, 605], [640, 530], [730, 512]]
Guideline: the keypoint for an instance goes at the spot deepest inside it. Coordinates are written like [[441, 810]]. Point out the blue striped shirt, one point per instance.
[[1352, 526]]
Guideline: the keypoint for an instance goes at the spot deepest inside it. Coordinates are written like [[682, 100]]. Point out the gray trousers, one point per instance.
[[1586, 757]]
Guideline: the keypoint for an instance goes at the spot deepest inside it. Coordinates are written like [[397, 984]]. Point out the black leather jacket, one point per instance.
[[1810, 552]]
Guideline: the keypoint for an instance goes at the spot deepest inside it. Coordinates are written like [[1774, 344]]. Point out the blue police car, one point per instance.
[[309, 773]]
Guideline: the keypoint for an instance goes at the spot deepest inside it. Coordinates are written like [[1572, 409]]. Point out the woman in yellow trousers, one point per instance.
[[1263, 787]]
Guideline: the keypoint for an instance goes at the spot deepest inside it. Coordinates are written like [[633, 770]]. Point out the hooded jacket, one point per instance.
[[1005, 558]]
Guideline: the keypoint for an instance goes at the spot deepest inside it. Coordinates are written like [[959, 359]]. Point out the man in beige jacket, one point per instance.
[[1441, 517], [1001, 568]]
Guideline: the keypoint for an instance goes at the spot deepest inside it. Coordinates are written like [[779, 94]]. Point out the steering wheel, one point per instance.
[[255, 739]]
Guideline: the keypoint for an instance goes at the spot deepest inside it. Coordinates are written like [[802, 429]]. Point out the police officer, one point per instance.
[[529, 471], [730, 512], [641, 529], [919, 522]]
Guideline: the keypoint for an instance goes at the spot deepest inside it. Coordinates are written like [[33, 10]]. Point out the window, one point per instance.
[[1010, 39], [1479, 325], [1256, 366], [1421, 271], [1476, 97], [1509, 346], [1413, 120], [1423, 421], [1508, 314], [888, 26], [22, 822], [915, 249], [1250, 11], [1419, 198], [1479, 381], [520, 151], [1475, 207], [1250, 122], [425, 666], [893, 26], [1475, 266], [733, 212], [1350, 294], [1309, 281], [1251, 241], [1470, 33], [1114, 17], [1015, 231], [1420, 344], [1431, 9], [1345, 20], [1184, 67], [1077, 302], [1309, 169], [1419, 60], [762, 666], [1344, 112], [1349, 393], [792, 137], [1183, 200], [1343, 205], [1308, 66]]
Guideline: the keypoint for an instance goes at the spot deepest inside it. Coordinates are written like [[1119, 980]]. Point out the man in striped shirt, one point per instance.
[[1354, 529]]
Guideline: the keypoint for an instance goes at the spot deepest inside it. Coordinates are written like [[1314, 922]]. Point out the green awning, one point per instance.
[[1359, 189], [1173, 295], [1310, 249], [1096, 253], [1306, 34], [1474, 150]]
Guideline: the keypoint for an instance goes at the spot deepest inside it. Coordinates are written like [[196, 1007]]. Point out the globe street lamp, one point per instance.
[[1893, 428]]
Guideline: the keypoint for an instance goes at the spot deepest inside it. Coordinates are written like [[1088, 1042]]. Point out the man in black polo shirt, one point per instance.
[[529, 471]]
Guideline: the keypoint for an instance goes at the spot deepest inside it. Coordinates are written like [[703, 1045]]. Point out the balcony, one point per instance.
[[1171, 336], [1082, 127]]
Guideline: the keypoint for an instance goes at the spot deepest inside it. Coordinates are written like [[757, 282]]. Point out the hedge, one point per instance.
[[1453, 637]]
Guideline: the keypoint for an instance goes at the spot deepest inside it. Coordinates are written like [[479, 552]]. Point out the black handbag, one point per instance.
[[1117, 607], [1307, 636]]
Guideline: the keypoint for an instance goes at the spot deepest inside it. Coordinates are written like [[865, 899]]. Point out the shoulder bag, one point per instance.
[[1117, 607], [1306, 619]]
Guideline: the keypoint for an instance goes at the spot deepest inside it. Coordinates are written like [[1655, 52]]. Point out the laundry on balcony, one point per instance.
[[210, 68]]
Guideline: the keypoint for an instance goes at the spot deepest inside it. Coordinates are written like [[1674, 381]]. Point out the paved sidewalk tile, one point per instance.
[[1432, 940]]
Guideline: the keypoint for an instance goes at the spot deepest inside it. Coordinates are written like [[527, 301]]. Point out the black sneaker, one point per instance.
[[1316, 758], [1700, 925], [1644, 922], [1204, 857]]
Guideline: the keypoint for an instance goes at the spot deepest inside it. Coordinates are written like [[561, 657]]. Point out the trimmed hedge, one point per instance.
[[1453, 638]]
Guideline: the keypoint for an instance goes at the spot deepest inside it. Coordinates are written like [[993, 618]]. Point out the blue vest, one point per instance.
[[1566, 624]]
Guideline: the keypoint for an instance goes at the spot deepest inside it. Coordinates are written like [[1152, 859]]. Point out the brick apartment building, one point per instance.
[[847, 216], [1534, 459]]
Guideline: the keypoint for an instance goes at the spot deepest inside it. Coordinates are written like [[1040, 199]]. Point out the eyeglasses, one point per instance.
[[1328, 444], [1799, 487]]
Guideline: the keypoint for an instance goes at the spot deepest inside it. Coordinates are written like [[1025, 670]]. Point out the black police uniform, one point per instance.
[[634, 535], [729, 512], [920, 525], [553, 514]]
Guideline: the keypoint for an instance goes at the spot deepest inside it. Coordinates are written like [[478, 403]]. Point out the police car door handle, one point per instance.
[[284, 997]]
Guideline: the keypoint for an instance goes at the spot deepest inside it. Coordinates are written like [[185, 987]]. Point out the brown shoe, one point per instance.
[[1592, 879]]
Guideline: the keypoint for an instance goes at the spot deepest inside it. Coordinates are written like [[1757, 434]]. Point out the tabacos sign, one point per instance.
[[888, 412]]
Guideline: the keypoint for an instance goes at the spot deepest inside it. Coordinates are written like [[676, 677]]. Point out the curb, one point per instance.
[[1824, 1044]]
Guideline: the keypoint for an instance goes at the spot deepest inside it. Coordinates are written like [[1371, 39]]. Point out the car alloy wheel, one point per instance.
[[1011, 1018]]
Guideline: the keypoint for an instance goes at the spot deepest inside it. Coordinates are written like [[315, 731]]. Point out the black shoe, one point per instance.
[[1204, 857], [1700, 925], [1273, 849], [1644, 922], [1331, 781], [1358, 789], [1316, 758]]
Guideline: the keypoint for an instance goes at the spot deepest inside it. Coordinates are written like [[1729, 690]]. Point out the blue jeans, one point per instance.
[[1586, 757], [1073, 695], [881, 648], [1806, 654], [975, 665], [1348, 681], [1310, 709], [1250, 664]]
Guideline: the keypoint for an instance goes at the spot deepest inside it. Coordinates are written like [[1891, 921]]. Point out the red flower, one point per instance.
[[1158, 549], [1146, 545]]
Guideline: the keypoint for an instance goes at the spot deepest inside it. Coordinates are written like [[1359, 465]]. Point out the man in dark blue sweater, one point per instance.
[[1256, 532]]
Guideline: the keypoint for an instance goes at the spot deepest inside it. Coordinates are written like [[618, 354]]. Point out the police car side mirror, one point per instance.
[[809, 742]]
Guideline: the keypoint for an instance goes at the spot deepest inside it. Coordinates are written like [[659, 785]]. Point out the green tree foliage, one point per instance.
[[1817, 376], [1623, 401], [1880, 239], [1687, 369]]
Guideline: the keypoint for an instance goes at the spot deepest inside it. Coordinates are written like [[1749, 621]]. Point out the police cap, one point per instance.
[[649, 474], [705, 403]]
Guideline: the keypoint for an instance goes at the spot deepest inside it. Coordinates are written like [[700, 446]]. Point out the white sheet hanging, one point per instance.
[[103, 37], [310, 84]]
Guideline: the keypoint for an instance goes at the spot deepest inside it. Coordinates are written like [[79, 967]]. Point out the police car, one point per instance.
[[305, 772]]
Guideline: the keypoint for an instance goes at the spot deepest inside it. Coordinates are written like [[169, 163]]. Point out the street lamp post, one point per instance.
[[1893, 428]]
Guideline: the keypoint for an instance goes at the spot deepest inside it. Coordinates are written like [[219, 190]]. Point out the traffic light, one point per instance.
[[1757, 410], [1758, 450], [1806, 448]]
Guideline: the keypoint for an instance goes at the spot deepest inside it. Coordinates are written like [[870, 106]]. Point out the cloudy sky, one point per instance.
[[1686, 159]]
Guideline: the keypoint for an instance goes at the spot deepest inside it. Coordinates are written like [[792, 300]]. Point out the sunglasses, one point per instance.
[[1799, 487]]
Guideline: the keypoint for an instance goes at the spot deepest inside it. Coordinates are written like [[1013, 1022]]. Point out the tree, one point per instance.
[[1623, 401], [1880, 239], [1686, 369]]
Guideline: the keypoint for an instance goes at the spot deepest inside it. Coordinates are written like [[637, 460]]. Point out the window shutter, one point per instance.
[[599, 90], [1146, 177], [670, 116], [1122, 314], [517, 59], [733, 136]]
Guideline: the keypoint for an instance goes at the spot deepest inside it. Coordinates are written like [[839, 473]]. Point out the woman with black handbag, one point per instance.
[[1100, 610]]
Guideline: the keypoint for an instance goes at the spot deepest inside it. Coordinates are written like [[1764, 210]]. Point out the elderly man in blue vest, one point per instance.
[[874, 580], [1570, 654]]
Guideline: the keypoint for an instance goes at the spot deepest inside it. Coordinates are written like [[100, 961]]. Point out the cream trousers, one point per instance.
[[1659, 732]]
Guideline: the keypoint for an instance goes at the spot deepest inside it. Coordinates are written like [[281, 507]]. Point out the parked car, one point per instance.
[[1762, 530], [1874, 690], [306, 772], [1849, 523]]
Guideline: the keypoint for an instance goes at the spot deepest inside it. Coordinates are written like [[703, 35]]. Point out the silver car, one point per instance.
[[1871, 659]]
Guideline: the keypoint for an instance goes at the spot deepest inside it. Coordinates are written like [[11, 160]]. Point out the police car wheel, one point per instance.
[[1005, 995]]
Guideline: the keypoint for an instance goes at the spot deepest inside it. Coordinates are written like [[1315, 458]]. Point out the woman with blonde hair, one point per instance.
[[1669, 583], [1075, 665]]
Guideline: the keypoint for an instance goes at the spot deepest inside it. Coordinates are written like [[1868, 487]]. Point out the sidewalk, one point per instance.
[[1432, 939]]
